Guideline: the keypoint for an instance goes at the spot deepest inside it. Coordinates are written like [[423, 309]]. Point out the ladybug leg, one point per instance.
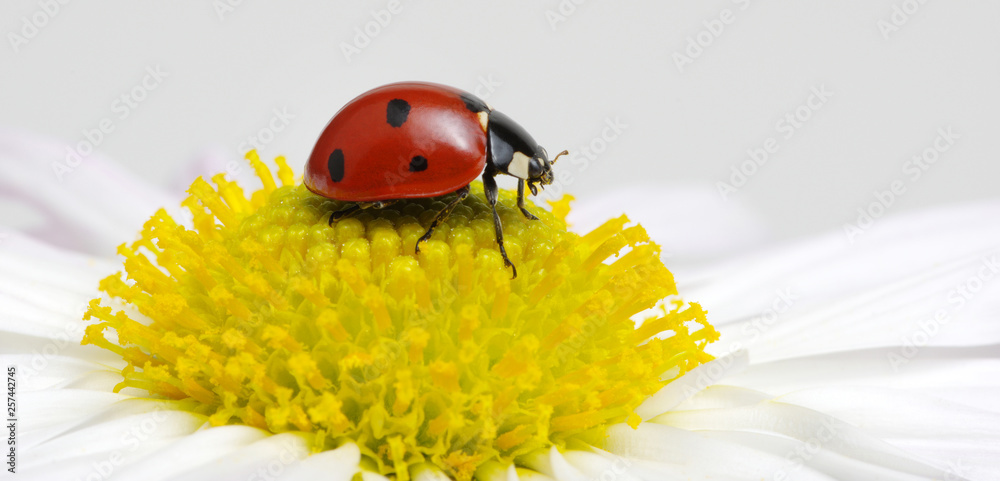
[[460, 195], [346, 211], [520, 201], [490, 189], [378, 204]]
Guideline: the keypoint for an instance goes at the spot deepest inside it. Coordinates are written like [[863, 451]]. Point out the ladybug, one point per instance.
[[414, 140]]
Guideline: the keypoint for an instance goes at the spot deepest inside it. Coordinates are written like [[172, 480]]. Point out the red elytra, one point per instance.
[[415, 139], [376, 159]]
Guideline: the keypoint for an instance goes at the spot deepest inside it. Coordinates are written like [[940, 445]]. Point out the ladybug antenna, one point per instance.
[[560, 154]]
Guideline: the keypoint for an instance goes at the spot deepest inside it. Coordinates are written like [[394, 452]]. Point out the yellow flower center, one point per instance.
[[265, 315]]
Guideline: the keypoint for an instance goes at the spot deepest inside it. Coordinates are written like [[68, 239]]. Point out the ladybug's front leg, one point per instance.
[[520, 200], [492, 193]]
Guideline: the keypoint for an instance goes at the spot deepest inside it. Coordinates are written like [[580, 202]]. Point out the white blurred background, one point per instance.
[[843, 94]]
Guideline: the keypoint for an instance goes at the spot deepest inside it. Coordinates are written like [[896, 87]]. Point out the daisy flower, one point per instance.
[[241, 337]]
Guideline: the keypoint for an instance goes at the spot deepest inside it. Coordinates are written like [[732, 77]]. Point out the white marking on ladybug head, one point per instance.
[[484, 120], [518, 166]]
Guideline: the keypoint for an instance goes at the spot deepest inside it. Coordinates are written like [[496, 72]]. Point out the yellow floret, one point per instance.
[[263, 314]]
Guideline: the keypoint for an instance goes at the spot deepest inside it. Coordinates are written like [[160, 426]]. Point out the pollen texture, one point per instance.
[[258, 312]]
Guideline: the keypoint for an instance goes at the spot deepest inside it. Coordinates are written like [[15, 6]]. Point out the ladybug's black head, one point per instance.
[[514, 152]]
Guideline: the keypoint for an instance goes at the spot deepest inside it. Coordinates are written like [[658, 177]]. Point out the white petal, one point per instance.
[[186, 452], [826, 295], [24, 317], [336, 465], [924, 425], [40, 371], [91, 209], [552, 463], [600, 465], [806, 425], [44, 292], [48, 414], [694, 381], [531, 475], [659, 452], [121, 441], [809, 457], [969, 376], [943, 406], [494, 471], [427, 472], [722, 396], [264, 457], [370, 476], [34, 264]]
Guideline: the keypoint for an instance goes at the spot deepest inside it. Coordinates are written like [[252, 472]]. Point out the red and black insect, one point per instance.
[[413, 140]]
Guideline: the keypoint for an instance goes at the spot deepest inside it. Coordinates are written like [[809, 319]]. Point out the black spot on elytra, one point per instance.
[[418, 164], [396, 112], [336, 165], [473, 103]]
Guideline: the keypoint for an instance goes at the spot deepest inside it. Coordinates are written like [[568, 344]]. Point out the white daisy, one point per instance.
[[872, 360]]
